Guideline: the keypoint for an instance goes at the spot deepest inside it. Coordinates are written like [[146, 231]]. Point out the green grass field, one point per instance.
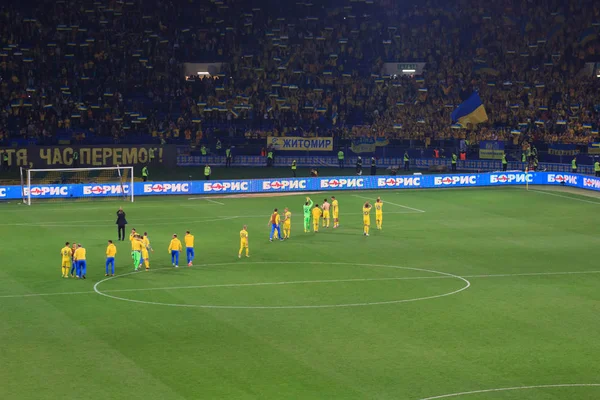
[[462, 290]]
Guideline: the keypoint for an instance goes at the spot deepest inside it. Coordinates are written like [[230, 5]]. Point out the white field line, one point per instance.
[[45, 207], [111, 204], [468, 284], [564, 197], [105, 223], [394, 204], [42, 294], [566, 385], [87, 225], [404, 278], [211, 201], [305, 282]]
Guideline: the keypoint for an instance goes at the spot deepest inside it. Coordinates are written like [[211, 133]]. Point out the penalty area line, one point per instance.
[[394, 204], [207, 199]]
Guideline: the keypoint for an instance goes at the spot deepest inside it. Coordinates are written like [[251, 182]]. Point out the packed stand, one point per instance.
[[112, 71]]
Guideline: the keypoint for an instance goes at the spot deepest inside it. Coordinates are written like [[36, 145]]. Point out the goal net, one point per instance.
[[77, 184]]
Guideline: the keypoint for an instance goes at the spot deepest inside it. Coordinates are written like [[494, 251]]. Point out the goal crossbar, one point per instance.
[[121, 179], [77, 169]]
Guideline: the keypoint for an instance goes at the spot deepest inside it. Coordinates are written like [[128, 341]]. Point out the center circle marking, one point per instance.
[[442, 274]]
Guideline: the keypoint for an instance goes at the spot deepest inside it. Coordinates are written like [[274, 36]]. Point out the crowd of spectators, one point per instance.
[[112, 70]]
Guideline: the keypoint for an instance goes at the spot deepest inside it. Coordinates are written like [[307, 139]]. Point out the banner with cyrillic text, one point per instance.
[[88, 156], [222, 187], [300, 143]]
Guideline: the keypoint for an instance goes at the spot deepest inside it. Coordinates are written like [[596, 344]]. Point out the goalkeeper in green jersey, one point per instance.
[[307, 207]]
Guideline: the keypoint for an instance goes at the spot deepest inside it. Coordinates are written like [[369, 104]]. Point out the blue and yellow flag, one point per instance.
[[587, 36], [484, 69], [470, 111]]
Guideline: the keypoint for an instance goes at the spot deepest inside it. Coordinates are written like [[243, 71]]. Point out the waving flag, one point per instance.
[[587, 36], [471, 111]]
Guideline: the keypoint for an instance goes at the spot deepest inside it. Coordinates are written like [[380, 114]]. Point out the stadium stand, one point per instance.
[[111, 71]]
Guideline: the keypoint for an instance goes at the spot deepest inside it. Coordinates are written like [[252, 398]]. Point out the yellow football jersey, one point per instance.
[[316, 213], [137, 245], [189, 240], [80, 254], [132, 239], [175, 245], [111, 250], [66, 253], [243, 235], [366, 213], [335, 206], [379, 207]]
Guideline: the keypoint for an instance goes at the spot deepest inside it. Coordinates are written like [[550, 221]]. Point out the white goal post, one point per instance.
[[77, 183]]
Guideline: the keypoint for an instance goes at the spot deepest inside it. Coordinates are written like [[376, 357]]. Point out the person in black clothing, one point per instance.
[[121, 222], [359, 165], [373, 166]]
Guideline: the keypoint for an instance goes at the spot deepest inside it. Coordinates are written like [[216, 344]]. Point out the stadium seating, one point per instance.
[[111, 71]]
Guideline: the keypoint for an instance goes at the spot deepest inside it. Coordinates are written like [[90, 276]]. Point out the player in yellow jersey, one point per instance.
[[80, 259], [325, 206], [335, 210], [67, 255], [146, 241], [174, 249], [379, 213], [244, 241], [316, 215], [132, 237], [111, 252], [189, 247], [366, 218], [287, 223], [136, 251], [274, 221], [145, 251]]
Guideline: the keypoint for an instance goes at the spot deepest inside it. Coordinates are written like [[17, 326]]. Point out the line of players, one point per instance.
[[309, 209], [141, 248], [316, 212], [75, 257]]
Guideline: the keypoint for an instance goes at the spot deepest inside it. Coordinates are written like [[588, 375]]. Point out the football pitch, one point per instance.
[[465, 294]]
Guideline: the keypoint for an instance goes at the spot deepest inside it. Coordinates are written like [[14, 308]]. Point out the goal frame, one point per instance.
[[26, 179]]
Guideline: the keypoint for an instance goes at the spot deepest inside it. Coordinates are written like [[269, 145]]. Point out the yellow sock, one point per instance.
[[247, 252], [367, 229], [147, 264]]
